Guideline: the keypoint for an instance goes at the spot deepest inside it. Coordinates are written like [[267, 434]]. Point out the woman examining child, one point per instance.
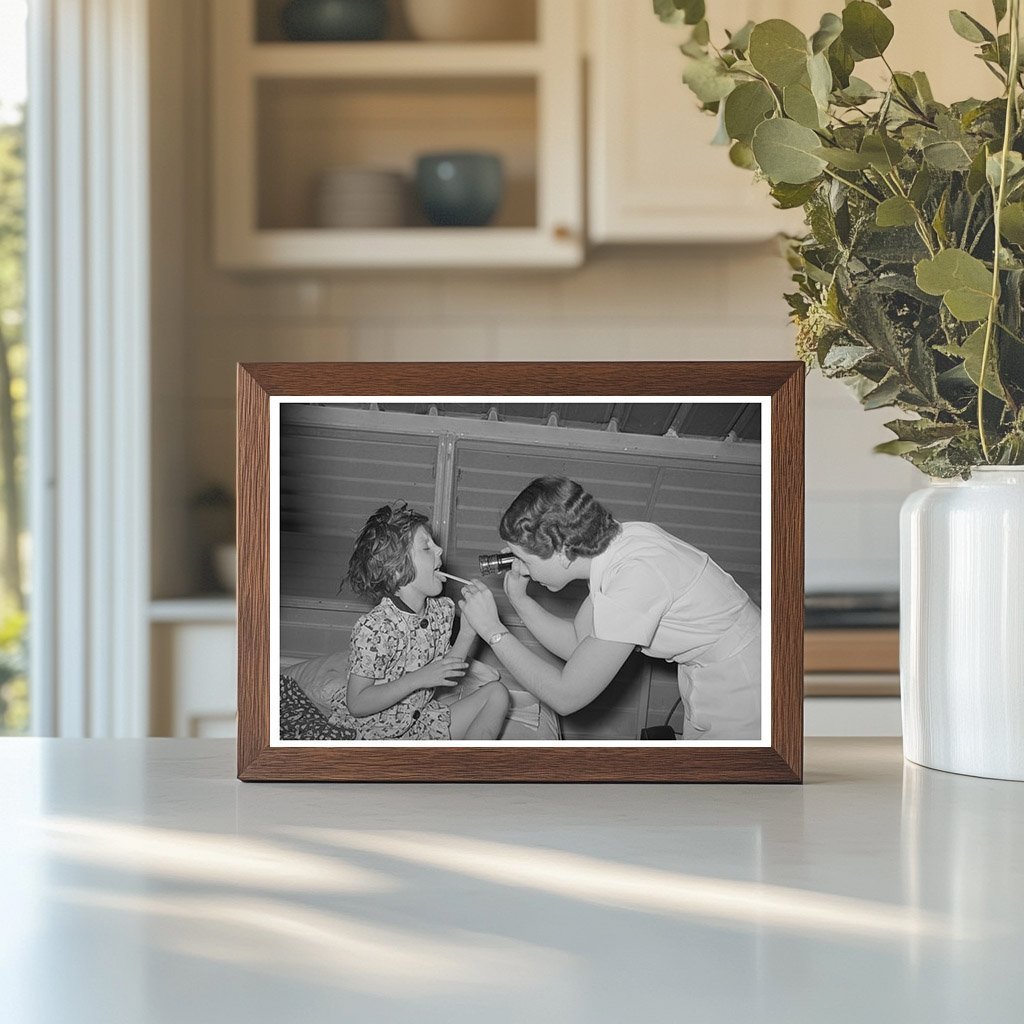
[[401, 650], [648, 589]]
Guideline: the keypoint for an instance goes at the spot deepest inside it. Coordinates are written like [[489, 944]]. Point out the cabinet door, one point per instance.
[[654, 175]]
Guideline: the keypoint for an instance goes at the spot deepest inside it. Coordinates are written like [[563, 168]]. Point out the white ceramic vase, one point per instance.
[[962, 624]]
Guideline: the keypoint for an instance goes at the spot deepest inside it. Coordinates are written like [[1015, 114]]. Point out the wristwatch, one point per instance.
[[495, 638]]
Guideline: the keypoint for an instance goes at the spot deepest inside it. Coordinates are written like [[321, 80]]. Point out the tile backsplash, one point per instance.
[[718, 302]]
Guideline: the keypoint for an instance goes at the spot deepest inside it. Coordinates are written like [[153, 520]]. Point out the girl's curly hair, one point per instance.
[[380, 561], [554, 513]]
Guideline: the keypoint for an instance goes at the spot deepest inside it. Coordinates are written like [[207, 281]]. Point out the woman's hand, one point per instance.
[[515, 581], [478, 608]]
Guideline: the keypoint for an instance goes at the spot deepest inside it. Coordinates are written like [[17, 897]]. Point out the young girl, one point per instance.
[[401, 651]]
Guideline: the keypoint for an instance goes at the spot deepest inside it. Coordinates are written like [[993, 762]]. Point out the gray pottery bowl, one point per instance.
[[460, 189], [334, 20]]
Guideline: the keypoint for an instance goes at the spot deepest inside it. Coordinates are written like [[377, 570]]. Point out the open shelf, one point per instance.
[[308, 127], [394, 60], [518, 20], [288, 113]]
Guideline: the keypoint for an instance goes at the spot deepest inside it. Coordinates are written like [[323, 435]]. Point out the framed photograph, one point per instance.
[[520, 572]]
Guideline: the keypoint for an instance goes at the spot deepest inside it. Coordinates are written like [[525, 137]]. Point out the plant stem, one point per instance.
[[1012, 334], [768, 85], [855, 187], [922, 225], [993, 308], [981, 231], [967, 220]]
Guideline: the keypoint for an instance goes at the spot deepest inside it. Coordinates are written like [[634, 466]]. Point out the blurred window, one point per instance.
[[14, 538]]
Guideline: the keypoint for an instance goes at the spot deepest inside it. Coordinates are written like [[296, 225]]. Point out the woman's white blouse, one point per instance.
[[668, 597]]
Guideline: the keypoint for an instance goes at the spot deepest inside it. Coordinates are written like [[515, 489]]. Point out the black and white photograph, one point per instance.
[[509, 571]]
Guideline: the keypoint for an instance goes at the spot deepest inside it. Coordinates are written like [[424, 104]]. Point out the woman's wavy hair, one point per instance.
[[381, 560], [554, 513]]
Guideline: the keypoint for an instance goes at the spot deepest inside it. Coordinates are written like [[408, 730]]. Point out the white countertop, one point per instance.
[[144, 885]]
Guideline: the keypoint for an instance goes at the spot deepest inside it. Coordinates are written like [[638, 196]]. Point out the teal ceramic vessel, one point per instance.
[[460, 189], [333, 21]]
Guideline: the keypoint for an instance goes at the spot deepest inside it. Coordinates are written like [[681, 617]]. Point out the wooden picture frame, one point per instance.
[[776, 389]]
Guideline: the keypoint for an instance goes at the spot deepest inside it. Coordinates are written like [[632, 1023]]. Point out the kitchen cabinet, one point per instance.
[[286, 113], [852, 682], [653, 175], [193, 655]]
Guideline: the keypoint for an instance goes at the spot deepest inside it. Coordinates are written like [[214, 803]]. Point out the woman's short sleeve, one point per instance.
[[373, 646], [630, 603]]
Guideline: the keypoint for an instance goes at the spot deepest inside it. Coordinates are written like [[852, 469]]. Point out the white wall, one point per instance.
[[721, 302]]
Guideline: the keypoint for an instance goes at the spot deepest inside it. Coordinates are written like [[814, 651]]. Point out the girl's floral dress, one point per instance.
[[390, 641]]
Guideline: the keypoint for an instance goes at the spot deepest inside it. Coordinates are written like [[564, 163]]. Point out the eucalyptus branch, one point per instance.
[[993, 308], [967, 219], [908, 101], [977, 238], [855, 187], [771, 88], [1006, 330], [923, 227]]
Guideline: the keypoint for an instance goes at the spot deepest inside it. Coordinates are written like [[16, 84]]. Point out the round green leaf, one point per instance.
[[739, 41], [789, 197], [976, 174], [778, 50], [947, 156], [895, 212], [674, 12], [883, 153], [966, 27], [866, 29], [963, 281], [784, 151], [829, 30], [820, 75], [707, 80], [746, 107], [800, 105], [972, 352], [844, 159], [841, 62], [742, 156], [858, 91], [1014, 169], [1011, 225]]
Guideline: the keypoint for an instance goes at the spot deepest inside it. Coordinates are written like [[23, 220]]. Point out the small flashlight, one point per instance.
[[500, 562]]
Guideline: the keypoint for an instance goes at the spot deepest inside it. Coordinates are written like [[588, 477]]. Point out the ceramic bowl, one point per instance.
[[359, 197], [470, 20], [334, 20], [460, 189]]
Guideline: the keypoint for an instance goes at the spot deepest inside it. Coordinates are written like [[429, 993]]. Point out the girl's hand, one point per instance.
[[478, 608], [515, 581], [446, 671]]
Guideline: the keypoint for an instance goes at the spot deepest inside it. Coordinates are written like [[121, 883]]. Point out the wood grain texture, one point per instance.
[[787, 540], [252, 486], [782, 762]]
